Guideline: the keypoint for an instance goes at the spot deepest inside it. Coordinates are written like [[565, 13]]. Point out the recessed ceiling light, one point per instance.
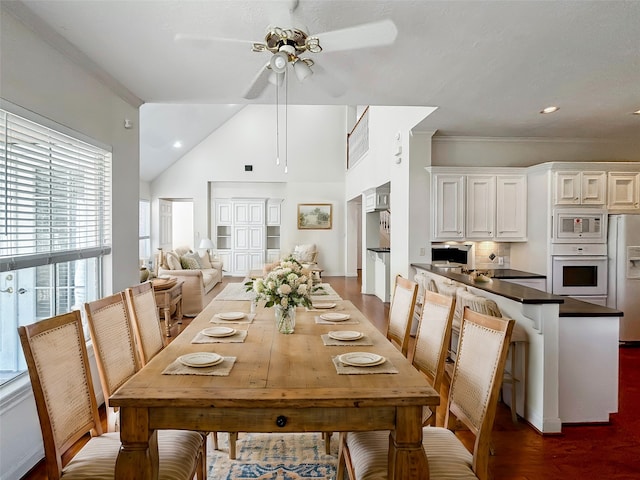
[[177, 144], [550, 109], [637, 112]]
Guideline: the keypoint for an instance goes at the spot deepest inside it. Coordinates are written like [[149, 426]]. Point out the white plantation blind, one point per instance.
[[55, 196]]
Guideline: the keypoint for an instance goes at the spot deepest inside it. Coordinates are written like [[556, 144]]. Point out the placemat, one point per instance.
[[342, 369], [324, 310], [237, 337], [331, 342], [221, 370], [248, 318], [351, 321]]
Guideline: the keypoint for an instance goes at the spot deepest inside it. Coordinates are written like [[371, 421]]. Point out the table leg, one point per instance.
[[407, 459], [167, 320], [179, 311], [138, 455]]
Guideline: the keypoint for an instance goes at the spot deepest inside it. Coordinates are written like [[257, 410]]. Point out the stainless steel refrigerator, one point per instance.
[[624, 273]]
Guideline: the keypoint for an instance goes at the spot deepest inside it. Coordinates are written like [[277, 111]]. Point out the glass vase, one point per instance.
[[285, 319]]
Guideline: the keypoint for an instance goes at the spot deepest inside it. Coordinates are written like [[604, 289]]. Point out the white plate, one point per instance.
[[345, 335], [231, 315], [201, 359], [218, 331], [361, 359], [324, 305], [335, 317]]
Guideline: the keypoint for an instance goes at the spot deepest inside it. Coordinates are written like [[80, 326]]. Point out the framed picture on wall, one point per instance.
[[315, 216]]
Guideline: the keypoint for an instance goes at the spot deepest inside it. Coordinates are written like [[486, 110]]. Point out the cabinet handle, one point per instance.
[[281, 421]]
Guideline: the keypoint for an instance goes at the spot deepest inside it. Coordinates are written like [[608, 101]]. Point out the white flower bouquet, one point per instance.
[[287, 285]]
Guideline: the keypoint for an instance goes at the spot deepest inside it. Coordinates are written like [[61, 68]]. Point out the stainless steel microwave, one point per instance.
[[579, 225]]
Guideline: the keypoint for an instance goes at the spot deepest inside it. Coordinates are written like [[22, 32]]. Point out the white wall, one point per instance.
[[39, 78], [379, 166], [316, 160], [525, 152]]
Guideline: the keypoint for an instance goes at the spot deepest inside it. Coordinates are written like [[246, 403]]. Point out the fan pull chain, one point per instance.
[[286, 121], [277, 123]]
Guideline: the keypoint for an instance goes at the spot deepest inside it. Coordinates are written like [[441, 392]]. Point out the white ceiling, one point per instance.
[[490, 66]]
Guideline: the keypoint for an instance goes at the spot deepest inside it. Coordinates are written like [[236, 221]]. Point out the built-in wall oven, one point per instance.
[[580, 271]]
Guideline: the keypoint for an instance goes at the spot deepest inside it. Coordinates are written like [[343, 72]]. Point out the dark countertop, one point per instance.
[[569, 307], [507, 273], [380, 249]]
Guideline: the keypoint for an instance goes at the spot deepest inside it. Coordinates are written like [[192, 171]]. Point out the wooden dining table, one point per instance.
[[278, 383]]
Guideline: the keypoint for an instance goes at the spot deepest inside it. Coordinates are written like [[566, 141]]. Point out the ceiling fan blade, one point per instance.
[[206, 40], [327, 82], [373, 34], [259, 83]]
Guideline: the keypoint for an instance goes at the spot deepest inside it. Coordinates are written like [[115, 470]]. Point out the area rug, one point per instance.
[[236, 291], [273, 456]]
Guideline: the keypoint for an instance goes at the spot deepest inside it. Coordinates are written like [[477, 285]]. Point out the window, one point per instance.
[[55, 210], [144, 228]]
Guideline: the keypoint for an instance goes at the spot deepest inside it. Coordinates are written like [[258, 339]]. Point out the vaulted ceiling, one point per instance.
[[489, 66]]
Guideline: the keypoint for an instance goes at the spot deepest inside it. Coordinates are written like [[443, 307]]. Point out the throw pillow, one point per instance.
[[173, 261], [304, 253], [182, 250], [205, 261], [189, 262]]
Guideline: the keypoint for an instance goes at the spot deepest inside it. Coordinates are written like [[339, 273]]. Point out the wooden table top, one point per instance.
[[276, 370]]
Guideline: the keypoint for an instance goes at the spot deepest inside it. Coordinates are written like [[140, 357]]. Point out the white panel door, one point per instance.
[[256, 238], [511, 207], [449, 207], [593, 188], [224, 214], [624, 190], [567, 189], [481, 206], [165, 223], [241, 238], [256, 213], [273, 214]]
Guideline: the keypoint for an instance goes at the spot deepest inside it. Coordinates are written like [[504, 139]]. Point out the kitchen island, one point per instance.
[[572, 366]]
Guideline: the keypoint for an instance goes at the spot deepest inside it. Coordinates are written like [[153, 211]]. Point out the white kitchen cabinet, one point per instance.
[[247, 233], [511, 208], [624, 191], [244, 261], [480, 207], [580, 188], [273, 212], [449, 207], [248, 237], [224, 212], [248, 212], [480, 211]]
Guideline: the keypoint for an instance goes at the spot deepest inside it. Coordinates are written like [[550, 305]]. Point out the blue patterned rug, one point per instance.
[[273, 456]]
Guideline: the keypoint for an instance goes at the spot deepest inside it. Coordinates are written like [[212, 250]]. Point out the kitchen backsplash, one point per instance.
[[483, 251]]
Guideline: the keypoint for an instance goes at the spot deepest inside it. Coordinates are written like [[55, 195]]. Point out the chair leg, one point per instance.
[[327, 442], [233, 438], [214, 435], [341, 458]]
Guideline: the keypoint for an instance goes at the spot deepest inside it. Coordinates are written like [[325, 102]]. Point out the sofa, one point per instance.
[[198, 272]]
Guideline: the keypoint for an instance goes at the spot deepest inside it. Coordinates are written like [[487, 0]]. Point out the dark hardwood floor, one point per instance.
[[597, 452]]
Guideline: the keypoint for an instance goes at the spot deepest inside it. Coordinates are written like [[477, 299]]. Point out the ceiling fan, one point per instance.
[[288, 45]]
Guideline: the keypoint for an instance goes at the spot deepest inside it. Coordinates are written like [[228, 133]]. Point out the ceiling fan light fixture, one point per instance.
[[302, 70], [278, 62], [276, 78]]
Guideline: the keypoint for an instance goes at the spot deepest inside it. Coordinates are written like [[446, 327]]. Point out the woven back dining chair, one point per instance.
[[56, 355], [143, 313], [401, 312], [473, 397], [117, 360], [150, 339], [432, 342]]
